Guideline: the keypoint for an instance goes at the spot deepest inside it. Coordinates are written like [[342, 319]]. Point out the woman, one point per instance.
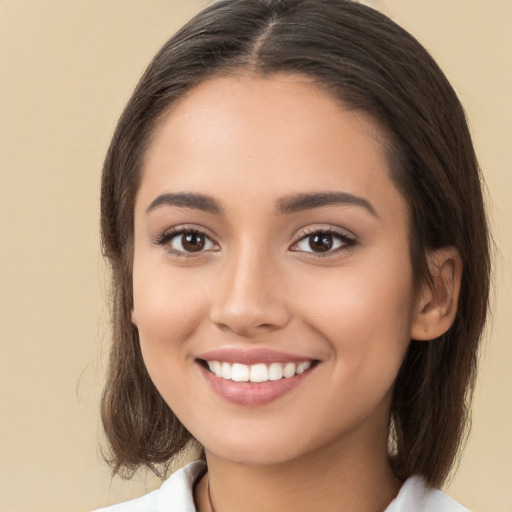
[[292, 208]]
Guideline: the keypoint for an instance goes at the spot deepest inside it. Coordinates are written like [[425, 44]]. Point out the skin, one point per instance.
[[251, 143]]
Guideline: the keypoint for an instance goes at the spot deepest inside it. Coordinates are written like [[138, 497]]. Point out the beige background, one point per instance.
[[67, 68]]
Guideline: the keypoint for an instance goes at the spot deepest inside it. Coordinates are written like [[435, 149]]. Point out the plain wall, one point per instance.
[[66, 70]]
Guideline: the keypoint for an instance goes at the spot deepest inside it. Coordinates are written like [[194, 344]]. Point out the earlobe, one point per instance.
[[134, 318], [437, 300]]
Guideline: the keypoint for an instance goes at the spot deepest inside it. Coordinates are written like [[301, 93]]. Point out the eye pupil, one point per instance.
[[193, 242], [321, 242]]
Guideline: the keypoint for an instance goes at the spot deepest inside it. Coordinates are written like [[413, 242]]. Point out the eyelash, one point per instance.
[[166, 238], [346, 241]]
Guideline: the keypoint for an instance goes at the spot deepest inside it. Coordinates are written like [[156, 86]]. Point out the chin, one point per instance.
[[256, 448], [253, 456]]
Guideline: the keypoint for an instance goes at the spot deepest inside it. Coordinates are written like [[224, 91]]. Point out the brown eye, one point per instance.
[[322, 242], [187, 242], [193, 242]]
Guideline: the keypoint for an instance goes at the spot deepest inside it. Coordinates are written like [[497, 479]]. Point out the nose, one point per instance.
[[250, 297]]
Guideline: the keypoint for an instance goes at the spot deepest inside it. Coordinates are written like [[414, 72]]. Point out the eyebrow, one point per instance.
[[290, 204], [309, 201], [186, 200]]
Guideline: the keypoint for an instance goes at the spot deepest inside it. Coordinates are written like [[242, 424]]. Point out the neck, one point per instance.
[[357, 479]]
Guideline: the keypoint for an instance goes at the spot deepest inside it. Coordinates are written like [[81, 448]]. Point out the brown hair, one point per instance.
[[370, 63]]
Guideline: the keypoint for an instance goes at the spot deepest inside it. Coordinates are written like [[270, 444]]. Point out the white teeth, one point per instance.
[[240, 372], [226, 371], [289, 370], [217, 368], [275, 372], [260, 372], [302, 367]]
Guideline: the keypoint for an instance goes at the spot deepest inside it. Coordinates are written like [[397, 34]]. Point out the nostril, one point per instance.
[[246, 328], [265, 326], [224, 327], [248, 315]]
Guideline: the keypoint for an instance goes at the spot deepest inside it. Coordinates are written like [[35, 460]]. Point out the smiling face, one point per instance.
[[273, 287]]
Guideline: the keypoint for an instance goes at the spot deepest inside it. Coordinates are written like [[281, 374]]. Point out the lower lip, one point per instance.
[[251, 393]]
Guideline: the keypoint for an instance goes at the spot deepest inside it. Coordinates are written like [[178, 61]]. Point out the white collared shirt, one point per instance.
[[176, 495]]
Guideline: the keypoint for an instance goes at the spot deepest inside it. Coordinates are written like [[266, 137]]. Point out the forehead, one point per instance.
[[282, 134], [290, 105]]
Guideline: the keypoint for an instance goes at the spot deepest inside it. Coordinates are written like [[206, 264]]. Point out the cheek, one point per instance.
[[365, 313], [168, 309]]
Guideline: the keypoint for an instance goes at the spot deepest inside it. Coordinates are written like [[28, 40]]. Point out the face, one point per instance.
[[273, 288]]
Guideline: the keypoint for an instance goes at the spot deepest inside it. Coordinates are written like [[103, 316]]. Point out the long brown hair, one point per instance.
[[363, 58]]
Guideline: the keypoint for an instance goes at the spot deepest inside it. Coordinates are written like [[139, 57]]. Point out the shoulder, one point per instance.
[[175, 494], [416, 495]]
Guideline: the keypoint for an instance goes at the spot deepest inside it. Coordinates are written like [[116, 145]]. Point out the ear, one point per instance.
[[437, 299], [134, 318]]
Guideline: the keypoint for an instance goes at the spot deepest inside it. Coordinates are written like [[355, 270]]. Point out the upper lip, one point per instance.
[[251, 356]]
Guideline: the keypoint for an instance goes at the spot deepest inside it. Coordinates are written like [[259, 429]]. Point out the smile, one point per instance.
[[257, 373]]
